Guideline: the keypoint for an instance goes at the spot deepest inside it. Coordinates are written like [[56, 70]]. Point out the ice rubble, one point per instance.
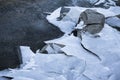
[[107, 46], [78, 64], [106, 2]]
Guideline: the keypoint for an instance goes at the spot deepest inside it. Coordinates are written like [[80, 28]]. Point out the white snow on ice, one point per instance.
[[78, 64]]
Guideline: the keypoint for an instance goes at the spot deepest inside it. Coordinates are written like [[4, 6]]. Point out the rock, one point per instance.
[[93, 29], [118, 2], [118, 16], [93, 20], [92, 17]]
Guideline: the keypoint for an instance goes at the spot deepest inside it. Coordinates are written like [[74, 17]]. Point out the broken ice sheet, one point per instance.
[[68, 22], [51, 67], [52, 48], [97, 72], [73, 47]]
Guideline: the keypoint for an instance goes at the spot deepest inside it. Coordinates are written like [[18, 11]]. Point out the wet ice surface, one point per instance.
[[78, 64]]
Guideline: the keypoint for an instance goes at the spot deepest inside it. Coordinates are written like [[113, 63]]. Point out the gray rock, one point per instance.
[[118, 16], [92, 17], [117, 2], [93, 20], [93, 29]]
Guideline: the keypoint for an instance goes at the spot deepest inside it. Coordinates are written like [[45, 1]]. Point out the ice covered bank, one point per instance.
[[78, 64]]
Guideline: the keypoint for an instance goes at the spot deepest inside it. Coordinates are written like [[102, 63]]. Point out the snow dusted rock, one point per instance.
[[114, 22], [93, 20]]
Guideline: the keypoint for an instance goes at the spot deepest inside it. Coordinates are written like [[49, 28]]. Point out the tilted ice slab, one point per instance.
[[50, 67], [107, 47], [73, 47]]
